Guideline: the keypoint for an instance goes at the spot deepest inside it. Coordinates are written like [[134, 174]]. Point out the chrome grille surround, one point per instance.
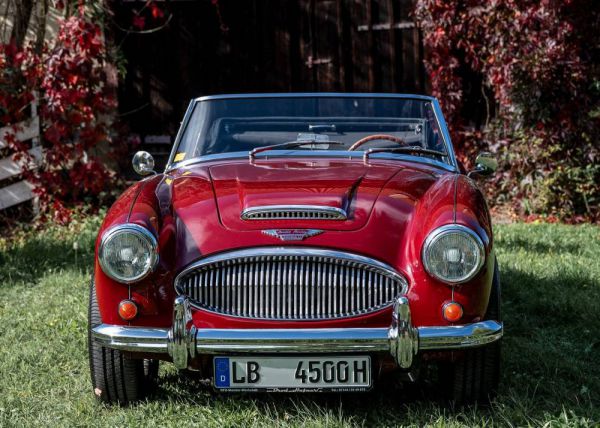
[[290, 283], [294, 212]]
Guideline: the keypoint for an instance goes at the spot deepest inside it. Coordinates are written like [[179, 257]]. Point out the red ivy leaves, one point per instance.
[[74, 105], [17, 75], [512, 43], [139, 22], [537, 61], [150, 11], [156, 11]]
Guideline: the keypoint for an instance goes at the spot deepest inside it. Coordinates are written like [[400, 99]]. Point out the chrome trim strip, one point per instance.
[[402, 340], [440, 231], [182, 127], [134, 339], [317, 340], [252, 212], [439, 116], [459, 336], [135, 228], [334, 154], [325, 340], [316, 94]]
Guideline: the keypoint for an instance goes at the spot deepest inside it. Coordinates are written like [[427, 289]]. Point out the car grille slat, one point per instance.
[[291, 286], [294, 212]]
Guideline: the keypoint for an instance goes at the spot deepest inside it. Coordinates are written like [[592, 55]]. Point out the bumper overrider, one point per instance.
[[184, 341]]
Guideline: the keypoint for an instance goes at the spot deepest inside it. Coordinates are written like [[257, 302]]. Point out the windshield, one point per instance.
[[330, 123]]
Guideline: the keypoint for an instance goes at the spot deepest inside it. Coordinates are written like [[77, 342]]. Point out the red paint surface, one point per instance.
[[195, 212]]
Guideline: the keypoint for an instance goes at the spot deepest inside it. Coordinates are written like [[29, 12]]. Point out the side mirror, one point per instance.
[[143, 163], [485, 164]]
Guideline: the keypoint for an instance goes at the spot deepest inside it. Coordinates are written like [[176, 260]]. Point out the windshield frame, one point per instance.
[[439, 117]]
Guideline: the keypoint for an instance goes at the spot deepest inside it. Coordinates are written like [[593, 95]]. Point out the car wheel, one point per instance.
[[115, 377], [475, 376]]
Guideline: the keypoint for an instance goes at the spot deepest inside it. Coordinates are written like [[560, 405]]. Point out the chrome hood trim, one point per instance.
[[294, 212]]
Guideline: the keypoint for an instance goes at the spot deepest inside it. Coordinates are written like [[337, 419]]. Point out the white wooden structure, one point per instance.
[[20, 191]]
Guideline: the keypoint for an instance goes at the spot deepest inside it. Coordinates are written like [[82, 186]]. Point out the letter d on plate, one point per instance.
[[222, 372]]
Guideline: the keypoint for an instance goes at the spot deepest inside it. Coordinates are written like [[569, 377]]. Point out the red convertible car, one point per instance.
[[300, 242]]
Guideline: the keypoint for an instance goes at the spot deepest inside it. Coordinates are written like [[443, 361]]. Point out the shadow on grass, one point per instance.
[[532, 302], [541, 247], [383, 403], [28, 262]]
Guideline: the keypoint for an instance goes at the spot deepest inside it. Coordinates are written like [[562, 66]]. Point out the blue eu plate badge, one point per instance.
[[222, 372]]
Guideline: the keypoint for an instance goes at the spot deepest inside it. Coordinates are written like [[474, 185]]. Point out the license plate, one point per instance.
[[290, 374]]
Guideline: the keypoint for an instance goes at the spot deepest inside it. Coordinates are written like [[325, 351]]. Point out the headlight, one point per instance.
[[128, 253], [453, 253]]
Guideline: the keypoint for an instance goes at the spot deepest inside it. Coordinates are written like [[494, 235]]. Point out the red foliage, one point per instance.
[[139, 22], [540, 61], [156, 11], [16, 76], [150, 12], [74, 107]]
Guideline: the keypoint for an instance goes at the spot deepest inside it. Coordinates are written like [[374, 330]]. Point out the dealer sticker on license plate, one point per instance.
[[287, 374]]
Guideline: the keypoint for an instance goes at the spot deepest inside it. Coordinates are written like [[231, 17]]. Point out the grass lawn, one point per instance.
[[551, 352]]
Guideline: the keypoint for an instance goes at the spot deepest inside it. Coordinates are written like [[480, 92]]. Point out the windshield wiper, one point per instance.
[[409, 149], [312, 142]]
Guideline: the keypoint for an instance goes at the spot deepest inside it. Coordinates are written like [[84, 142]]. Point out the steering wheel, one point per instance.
[[368, 138]]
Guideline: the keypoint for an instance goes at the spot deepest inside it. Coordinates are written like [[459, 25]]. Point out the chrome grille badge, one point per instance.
[[292, 234]]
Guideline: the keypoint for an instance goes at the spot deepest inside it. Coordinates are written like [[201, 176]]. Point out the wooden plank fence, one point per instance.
[[15, 193], [270, 46]]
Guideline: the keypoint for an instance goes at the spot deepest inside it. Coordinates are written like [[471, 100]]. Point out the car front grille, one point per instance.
[[290, 284]]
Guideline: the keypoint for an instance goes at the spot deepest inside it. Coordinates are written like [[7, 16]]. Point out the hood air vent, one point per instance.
[[294, 212]]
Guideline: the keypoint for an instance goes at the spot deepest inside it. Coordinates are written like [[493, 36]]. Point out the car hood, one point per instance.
[[322, 184], [349, 185]]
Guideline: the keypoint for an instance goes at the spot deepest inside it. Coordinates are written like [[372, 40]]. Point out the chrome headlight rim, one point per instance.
[[135, 228], [436, 234]]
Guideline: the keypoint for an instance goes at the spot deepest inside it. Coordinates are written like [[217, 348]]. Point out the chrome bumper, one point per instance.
[[401, 339]]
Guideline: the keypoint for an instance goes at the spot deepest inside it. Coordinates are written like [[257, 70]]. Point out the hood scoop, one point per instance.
[[294, 212], [326, 194]]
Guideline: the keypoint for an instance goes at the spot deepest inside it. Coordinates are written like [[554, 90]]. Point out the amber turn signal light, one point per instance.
[[128, 310], [452, 311]]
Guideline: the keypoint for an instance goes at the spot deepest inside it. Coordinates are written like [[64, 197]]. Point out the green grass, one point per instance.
[[551, 352]]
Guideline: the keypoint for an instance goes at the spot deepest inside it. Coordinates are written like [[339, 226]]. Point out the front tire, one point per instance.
[[116, 379], [475, 377]]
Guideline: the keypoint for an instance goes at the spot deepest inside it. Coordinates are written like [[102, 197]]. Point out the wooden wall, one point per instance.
[[269, 46]]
